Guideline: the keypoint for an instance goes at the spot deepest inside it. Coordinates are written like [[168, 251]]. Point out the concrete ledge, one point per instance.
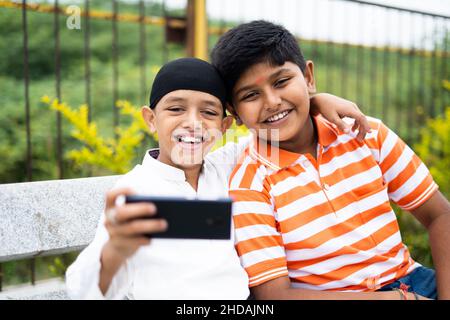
[[53, 289], [50, 217]]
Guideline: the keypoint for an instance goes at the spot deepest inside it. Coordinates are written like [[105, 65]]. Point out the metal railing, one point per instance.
[[144, 20], [391, 61]]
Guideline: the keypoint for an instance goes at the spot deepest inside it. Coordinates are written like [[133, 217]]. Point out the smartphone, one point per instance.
[[190, 219]]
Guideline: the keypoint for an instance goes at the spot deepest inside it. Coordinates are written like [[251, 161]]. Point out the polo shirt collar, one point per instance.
[[326, 131], [276, 158], [151, 163]]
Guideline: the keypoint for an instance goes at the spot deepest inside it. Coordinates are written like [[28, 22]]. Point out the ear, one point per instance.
[[309, 77], [226, 123], [231, 110], [149, 118]]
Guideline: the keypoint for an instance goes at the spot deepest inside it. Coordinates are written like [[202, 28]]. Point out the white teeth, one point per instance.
[[278, 116], [187, 139]]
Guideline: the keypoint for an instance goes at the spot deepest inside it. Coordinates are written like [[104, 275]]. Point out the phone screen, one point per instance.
[[190, 219]]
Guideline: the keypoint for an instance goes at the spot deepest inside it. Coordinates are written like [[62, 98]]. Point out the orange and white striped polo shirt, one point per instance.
[[327, 222]]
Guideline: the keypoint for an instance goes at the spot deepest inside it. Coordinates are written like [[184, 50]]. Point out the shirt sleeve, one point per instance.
[[82, 277], [409, 181], [258, 240], [227, 156]]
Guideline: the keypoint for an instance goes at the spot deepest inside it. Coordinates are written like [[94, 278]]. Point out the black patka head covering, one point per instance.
[[187, 74]]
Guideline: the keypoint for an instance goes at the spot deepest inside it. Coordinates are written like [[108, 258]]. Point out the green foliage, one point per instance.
[[434, 149], [115, 155], [415, 236], [57, 268], [13, 148], [41, 40], [18, 272]]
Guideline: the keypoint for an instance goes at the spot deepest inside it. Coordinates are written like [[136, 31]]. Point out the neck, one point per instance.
[[192, 173], [304, 142]]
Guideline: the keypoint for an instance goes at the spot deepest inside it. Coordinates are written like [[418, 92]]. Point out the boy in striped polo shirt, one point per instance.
[[312, 203]]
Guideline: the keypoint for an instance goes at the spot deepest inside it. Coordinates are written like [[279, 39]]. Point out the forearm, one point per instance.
[[300, 294], [314, 106], [439, 242], [110, 264], [281, 289]]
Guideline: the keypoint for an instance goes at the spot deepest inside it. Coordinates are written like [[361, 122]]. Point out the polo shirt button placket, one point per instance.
[[326, 189], [305, 163]]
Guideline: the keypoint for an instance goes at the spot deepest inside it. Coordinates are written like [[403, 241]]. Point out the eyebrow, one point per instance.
[[272, 76], [175, 99], [212, 103], [184, 100]]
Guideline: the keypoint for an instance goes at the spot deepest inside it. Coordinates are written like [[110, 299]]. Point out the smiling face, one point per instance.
[[187, 123], [274, 101]]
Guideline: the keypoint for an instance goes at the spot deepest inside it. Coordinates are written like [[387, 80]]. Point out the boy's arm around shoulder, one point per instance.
[[226, 157], [334, 108]]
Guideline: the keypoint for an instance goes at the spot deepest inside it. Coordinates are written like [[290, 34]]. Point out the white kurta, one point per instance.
[[169, 268]]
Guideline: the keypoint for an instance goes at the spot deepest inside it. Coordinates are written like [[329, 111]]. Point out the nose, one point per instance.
[[272, 100], [192, 121]]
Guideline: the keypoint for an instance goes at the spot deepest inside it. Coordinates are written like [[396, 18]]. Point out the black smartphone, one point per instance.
[[190, 219]]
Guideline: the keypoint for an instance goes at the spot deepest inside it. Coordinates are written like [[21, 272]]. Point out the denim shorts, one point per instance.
[[421, 280]]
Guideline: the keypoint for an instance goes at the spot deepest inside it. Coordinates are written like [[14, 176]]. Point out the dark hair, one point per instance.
[[251, 43]]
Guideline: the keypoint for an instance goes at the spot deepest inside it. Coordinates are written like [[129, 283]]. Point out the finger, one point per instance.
[[134, 210], [112, 195], [129, 243], [140, 227], [355, 126], [341, 124], [135, 241], [363, 126], [361, 119], [355, 114], [361, 134], [142, 240], [355, 106]]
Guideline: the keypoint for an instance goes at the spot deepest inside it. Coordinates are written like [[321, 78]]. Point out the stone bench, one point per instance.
[[48, 218]]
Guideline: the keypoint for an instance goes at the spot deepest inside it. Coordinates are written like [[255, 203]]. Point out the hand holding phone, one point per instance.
[[124, 229], [189, 219], [126, 233]]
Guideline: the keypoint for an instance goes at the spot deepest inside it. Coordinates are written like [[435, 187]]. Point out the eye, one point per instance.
[[175, 109], [210, 113], [281, 82], [249, 96]]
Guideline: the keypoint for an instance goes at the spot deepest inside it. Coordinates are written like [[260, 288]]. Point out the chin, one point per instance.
[[283, 136], [188, 160]]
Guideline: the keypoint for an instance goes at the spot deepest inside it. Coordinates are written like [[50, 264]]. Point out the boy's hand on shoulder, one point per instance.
[[334, 109]]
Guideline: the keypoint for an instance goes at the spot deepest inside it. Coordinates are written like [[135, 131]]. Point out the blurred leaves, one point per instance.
[[116, 155], [434, 150]]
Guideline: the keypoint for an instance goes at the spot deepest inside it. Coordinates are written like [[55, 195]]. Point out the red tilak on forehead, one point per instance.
[[260, 80]]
